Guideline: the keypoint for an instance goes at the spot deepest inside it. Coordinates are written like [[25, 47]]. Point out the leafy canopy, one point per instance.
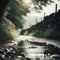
[[14, 12]]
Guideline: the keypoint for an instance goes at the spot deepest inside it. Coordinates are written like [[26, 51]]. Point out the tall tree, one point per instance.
[[3, 4], [15, 12]]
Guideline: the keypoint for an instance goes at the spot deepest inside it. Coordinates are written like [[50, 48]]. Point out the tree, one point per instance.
[[39, 3], [14, 12], [3, 4]]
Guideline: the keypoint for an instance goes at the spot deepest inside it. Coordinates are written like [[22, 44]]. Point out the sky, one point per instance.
[[33, 16]]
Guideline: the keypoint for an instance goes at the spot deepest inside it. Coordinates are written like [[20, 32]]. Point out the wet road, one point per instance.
[[33, 50], [30, 38], [37, 51]]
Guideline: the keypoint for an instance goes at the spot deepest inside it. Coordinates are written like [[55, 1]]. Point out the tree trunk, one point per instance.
[[3, 4]]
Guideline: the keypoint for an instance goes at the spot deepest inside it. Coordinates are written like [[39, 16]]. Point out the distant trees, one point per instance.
[[5, 35], [48, 28]]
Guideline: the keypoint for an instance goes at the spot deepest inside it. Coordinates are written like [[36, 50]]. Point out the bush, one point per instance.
[[4, 33]]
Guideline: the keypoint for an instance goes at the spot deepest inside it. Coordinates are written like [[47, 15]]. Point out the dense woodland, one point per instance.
[[48, 28], [11, 19]]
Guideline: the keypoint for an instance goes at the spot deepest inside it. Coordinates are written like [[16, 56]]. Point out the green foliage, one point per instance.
[[42, 33], [48, 32], [6, 11], [3, 4], [38, 33], [55, 34], [14, 12], [48, 28], [4, 33], [39, 3]]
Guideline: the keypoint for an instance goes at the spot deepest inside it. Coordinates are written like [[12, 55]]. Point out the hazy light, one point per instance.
[[27, 1]]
